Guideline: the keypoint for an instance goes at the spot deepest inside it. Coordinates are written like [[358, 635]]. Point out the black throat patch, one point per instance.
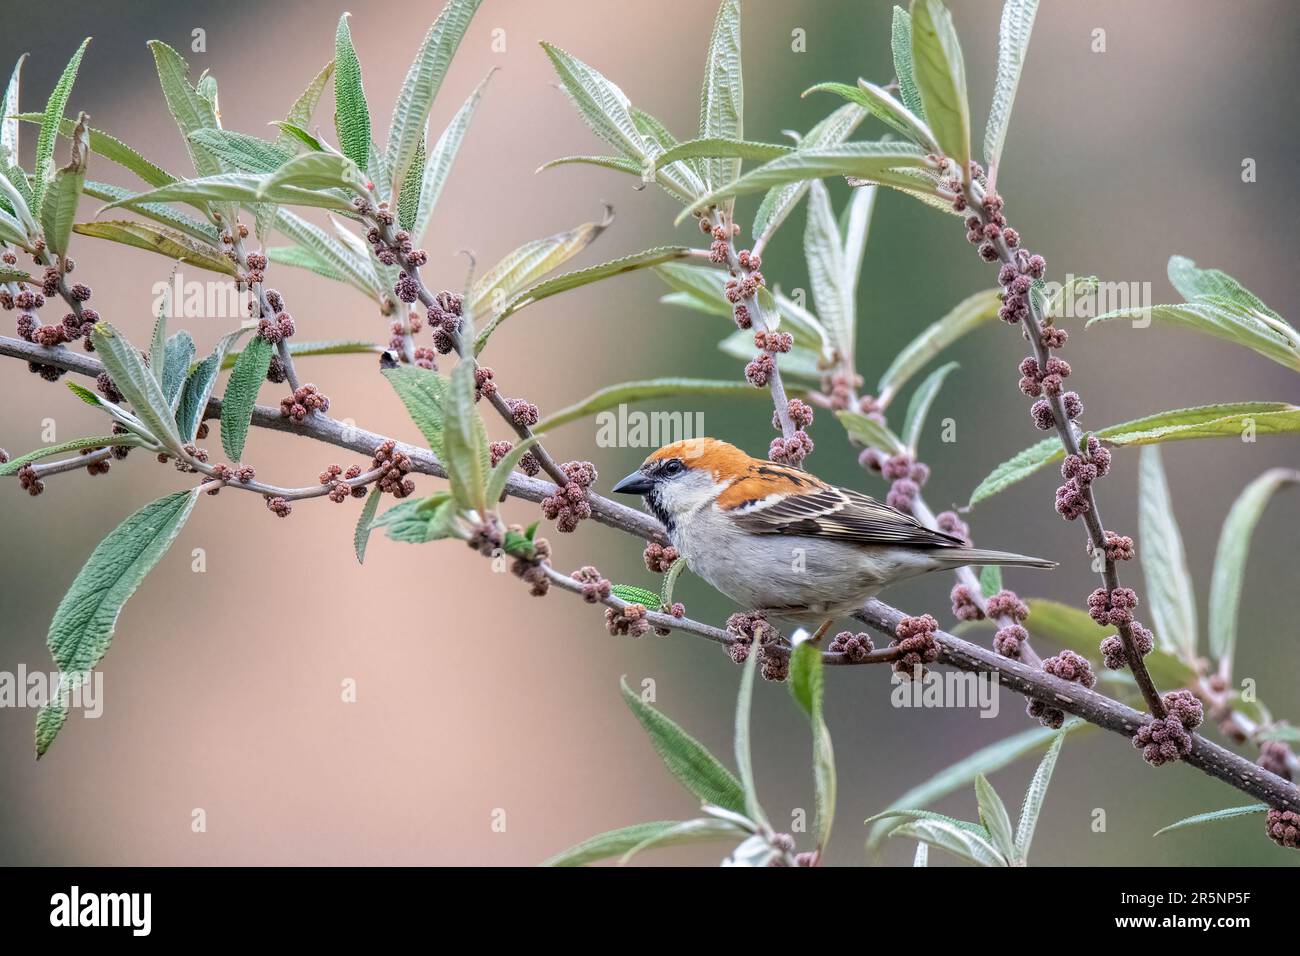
[[651, 498]]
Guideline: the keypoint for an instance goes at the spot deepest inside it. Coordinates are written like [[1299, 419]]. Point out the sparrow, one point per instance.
[[780, 540]]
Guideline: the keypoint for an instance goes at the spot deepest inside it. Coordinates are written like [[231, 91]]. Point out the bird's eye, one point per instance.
[[674, 467]]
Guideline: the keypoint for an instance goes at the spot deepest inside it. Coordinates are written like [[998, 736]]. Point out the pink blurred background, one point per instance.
[[223, 687]]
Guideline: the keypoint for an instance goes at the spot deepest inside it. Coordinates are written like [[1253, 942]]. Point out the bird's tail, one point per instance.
[[956, 557]]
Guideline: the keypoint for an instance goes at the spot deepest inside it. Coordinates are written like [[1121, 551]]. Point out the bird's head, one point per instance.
[[681, 477]]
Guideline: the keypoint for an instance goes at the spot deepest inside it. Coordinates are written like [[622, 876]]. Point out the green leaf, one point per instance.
[[962, 774], [922, 857], [993, 814], [12, 466], [1013, 42], [59, 205], [722, 98], [166, 242], [919, 407], [807, 685], [361, 535], [885, 108], [870, 433], [1170, 597], [990, 580], [625, 393], [422, 392], [418, 522], [1032, 806], [702, 289], [245, 153], [721, 149], [331, 252], [238, 187], [744, 757], [670, 581], [178, 353], [1213, 816], [309, 349], [137, 384], [54, 109], [900, 41], [493, 292], [876, 161], [780, 200], [465, 441], [685, 757], [9, 106], [86, 618], [832, 291], [158, 213], [313, 171], [1230, 557], [1290, 735], [198, 387], [941, 78], [572, 280], [703, 830], [241, 394], [304, 107], [190, 110], [602, 104], [614, 843], [423, 79], [635, 595], [1205, 421], [956, 840], [1219, 305], [437, 164], [408, 202], [500, 474], [605, 162], [855, 224], [351, 114]]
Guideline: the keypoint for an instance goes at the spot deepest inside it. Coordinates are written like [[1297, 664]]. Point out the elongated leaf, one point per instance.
[[304, 107], [86, 618], [500, 474], [605, 846], [1204, 421], [198, 386], [876, 161], [302, 258], [900, 41], [685, 757], [54, 109], [722, 99], [602, 104], [241, 394], [423, 393], [941, 78], [361, 536], [870, 433], [9, 106], [703, 830], [885, 108], [158, 213], [625, 393], [635, 595], [919, 407], [328, 347], [922, 857], [190, 110], [15, 192], [956, 840], [237, 187], [572, 280], [137, 384], [351, 114], [166, 242], [1230, 558], [177, 356], [700, 288], [12, 466], [313, 171], [333, 252], [465, 441], [1164, 563], [522, 267], [423, 79], [59, 205], [807, 685], [990, 580], [1032, 806], [245, 153], [1013, 42], [605, 162], [744, 755], [1214, 816], [828, 274], [1222, 320], [993, 814], [418, 522], [438, 162], [720, 149], [962, 774], [855, 224], [780, 200], [408, 201]]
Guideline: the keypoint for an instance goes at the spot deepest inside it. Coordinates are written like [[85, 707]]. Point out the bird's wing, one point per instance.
[[838, 514]]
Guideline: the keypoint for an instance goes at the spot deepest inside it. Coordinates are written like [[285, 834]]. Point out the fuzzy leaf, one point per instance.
[[832, 291], [990, 580], [1032, 806], [53, 118], [870, 433], [137, 384], [361, 535], [245, 153], [686, 758], [1013, 43], [437, 164], [83, 625], [351, 114], [744, 755], [423, 393], [721, 149], [1214, 816], [332, 252], [12, 466], [190, 110], [614, 843], [807, 686], [59, 204], [165, 215], [956, 840], [919, 407], [941, 78], [722, 99], [304, 107], [1204, 421], [238, 187], [884, 107], [993, 814], [465, 441], [198, 386], [9, 105], [602, 104], [900, 42], [1170, 597], [166, 242], [635, 595], [327, 347], [241, 394]]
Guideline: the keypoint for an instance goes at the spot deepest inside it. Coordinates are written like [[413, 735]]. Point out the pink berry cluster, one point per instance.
[[793, 450], [1275, 757], [1283, 828], [305, 399], [748, 628], [396, 465], [659, 557], [445, 320], [914, 636], [630, 619], [1115, 608], [533, 570], [855, 647], [1068, 666], [528, 463], [595, 588], [1010, 612], [1166, 739], [571, 503], [1079, 471], [337, 479]]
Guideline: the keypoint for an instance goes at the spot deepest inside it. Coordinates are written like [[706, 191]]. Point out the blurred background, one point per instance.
[[223, 688]]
